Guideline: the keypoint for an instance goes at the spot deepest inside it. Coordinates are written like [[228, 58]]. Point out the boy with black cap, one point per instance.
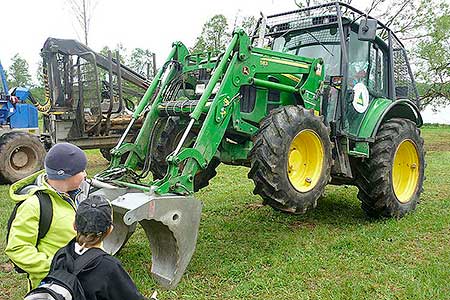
[[104, 277], [63, 182]]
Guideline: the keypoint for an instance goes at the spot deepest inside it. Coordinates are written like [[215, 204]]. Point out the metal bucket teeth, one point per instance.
[[171, 224]]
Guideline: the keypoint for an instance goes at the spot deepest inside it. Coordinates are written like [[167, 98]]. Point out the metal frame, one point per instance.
[[64, 116]]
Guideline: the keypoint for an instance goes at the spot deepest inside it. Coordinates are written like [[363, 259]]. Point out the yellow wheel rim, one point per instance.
[[405, 171], [305, 160]]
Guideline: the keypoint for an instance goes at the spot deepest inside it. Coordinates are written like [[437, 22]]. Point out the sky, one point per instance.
[[153, 25], [147, 24]]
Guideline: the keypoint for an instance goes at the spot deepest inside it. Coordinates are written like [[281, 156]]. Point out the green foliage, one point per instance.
[[248, 24], [214, 36], [119, 48], [432, 53], [141, 61], [216, 33], [40, 74], [38, 94], [18, 73]]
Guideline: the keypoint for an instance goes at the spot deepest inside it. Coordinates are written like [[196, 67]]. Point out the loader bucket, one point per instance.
[[171, 224]]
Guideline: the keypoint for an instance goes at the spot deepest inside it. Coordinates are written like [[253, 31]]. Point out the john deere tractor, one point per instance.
[[314, 96]]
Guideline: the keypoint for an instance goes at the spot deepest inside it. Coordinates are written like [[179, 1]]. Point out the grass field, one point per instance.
[[249, 251]]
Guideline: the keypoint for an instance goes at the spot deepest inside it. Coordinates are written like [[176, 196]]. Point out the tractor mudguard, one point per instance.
[[381, 109], [170, 222]]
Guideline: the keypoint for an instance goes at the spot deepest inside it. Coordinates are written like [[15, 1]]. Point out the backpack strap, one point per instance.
[[45, 214], [11, 219], [86, 258]]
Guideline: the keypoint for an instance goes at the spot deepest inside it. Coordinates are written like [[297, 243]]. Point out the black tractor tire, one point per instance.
[[271, 167], [374, 175], [106, 153], [21, 154], [165, 143]]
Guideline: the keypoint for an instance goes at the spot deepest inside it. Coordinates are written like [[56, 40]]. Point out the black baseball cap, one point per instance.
[[94, 215], [64, 160]]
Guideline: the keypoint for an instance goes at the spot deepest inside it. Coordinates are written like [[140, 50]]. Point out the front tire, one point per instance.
[[106, 153], [291, 159], [166, 142], [390, 181]]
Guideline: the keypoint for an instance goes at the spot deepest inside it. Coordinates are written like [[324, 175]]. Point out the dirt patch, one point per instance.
[[97, 161], [254, 206], [438, 146], [6, 267], [299, 225]]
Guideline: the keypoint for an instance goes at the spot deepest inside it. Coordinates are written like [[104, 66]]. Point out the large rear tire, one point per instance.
[[168, 140], [21, 154], [390, 181], [291, 159]]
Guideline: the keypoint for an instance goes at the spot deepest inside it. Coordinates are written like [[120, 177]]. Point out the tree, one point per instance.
[[424, 27], [432, 55], [18, 72], [214, 36], [40, 74], [83, 11], [119, 47], [248, 24], [142, 62]]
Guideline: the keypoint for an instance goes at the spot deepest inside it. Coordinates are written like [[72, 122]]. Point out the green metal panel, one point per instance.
[[381, 109], [372, 115]]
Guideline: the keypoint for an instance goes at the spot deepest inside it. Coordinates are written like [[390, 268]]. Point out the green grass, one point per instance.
[[249, 251]]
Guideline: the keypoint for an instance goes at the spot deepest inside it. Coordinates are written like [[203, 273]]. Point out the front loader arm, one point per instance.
[[236, 69], [152, 96]]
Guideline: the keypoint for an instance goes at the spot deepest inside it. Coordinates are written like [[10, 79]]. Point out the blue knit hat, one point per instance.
[[64, 160]]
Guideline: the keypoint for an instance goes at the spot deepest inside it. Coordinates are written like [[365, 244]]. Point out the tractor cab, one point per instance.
[[366, 69]]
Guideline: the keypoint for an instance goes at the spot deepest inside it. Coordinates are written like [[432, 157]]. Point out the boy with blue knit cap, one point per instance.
[[63, 180]]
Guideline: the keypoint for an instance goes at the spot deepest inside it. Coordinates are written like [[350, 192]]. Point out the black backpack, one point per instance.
[[62, 282], [45, 219]]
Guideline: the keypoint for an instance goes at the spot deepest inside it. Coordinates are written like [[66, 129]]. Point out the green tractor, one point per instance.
[[314, 96]]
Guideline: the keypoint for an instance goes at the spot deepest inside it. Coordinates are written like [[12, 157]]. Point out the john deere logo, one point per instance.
[[360, 98]]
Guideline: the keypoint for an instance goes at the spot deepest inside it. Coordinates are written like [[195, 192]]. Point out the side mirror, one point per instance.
[[367, 30]]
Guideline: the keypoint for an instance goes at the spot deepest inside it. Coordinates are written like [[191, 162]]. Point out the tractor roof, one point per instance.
[[319, 16]]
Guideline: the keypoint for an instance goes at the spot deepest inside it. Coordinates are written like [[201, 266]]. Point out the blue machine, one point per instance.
[[21, 152], [14, 111]]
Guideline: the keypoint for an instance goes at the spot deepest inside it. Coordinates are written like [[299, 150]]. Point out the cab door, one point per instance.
[[366, 78]]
